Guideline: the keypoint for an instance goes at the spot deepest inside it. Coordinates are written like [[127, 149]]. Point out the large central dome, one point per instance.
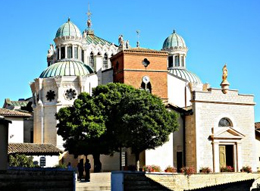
[[67, 68]]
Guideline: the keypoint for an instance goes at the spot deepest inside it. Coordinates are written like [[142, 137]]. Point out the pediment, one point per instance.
[[228, 133]]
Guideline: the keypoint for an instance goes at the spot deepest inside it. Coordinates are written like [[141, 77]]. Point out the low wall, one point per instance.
[[37, 179], [177, 182]]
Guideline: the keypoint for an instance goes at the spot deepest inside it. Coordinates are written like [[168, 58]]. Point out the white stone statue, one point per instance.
[[50, 51]]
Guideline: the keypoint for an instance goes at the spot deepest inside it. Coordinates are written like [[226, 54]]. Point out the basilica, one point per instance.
[[212, 132]]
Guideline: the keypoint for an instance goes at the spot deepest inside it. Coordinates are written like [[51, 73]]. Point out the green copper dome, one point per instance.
[[67, 68], [68, 29], [174, 40], [185, 75]]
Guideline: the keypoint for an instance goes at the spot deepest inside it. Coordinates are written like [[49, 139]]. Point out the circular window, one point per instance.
[[70, 94], [225, 122], [50, 95]]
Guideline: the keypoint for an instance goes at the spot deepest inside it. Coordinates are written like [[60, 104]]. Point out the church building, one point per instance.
[[212, 132]]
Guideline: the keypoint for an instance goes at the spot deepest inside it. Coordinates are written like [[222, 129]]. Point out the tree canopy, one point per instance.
[[115, 116]]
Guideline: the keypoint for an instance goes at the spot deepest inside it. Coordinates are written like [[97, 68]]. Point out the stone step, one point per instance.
[[98, 181]]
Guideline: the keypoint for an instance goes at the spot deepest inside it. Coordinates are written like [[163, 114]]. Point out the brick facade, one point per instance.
[[129, 69]]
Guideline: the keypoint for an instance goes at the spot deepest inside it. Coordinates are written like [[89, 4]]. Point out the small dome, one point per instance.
[[174, 40], [68, 29], [67, 68], [185, 74]]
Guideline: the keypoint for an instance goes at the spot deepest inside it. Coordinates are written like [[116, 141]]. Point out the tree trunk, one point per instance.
[[97, 163]]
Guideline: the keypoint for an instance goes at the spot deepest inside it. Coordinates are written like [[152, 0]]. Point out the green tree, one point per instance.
[[18, 160], [146, 122], [120, 116], [82, 126]]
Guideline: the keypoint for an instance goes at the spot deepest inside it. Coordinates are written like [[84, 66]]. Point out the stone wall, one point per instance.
[[209, 108], [180, 182], [37, 179]]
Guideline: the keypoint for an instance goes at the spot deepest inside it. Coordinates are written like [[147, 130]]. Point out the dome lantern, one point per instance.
[[177, 49]]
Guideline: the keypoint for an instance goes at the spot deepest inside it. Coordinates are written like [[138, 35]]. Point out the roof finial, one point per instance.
[[68, 19], [89, 18], [138, 43], [174, 31]]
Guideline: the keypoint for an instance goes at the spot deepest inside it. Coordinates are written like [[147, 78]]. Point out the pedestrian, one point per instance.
[[80, 169], [87, 170], [69, 166]]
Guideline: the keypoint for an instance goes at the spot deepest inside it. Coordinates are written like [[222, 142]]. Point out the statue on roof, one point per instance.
[[127, 44], [121, 40], [89, 23], [50, 51], [225, 73], [224, 84]]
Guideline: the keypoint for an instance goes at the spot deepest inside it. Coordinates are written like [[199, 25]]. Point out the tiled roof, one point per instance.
[[12, 113], [187, 109], [140, 49], [33, 149], [91, 38], [21, 103]]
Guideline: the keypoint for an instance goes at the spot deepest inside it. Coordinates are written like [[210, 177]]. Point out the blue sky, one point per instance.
[[215, 31]]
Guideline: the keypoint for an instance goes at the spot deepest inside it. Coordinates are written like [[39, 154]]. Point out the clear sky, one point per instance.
[[215, 31]]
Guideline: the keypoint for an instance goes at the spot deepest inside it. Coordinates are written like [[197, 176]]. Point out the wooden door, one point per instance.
[[222, 156]]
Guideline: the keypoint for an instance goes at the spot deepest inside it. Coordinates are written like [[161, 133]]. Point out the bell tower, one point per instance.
[[143, 69]]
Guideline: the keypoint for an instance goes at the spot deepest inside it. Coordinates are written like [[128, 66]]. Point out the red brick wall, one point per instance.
[[130, 69]]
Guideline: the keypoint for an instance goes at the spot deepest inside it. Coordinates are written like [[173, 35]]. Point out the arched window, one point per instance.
[[105, 61], [177, 61], [91, 60], [225, 122], [62, 52], [69, 52], [58, 54], [170, 61], [147, 87], [82, 55]]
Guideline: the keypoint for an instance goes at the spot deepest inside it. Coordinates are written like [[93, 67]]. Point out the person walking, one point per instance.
[[87, 170]]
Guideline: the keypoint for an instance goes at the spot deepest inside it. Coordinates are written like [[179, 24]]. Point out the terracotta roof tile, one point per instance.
[[33, 149], [12, 113], [140, 49], [257, 125]]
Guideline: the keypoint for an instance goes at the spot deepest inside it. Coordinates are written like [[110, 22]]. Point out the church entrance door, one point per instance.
[[226, 156]]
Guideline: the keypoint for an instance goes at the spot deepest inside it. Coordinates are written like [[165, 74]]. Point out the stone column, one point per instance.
[[58, 81], [238, 156], [72, 51], [59, 53], [66, 55], [216, 156], [179, 60]]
